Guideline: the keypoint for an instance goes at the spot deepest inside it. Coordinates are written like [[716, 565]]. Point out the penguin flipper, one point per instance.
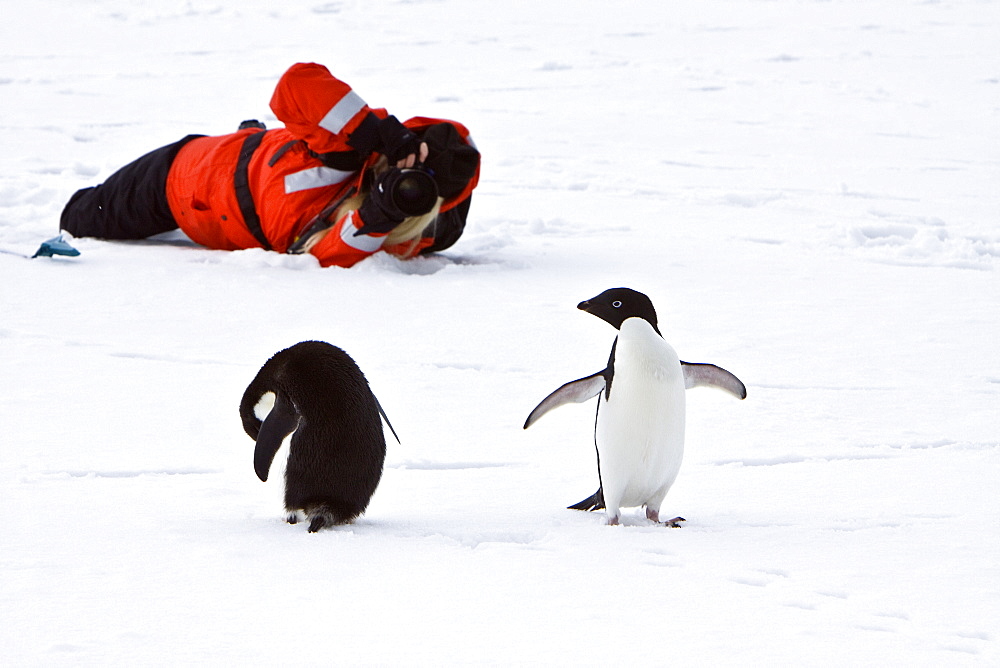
[[592, 502], [279, 423], [709, 375], [576, 391], [386, 418]]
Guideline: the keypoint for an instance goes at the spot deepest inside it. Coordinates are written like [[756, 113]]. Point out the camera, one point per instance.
[[412, 191]]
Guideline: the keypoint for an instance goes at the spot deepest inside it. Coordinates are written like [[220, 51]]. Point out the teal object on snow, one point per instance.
[[56, 246]]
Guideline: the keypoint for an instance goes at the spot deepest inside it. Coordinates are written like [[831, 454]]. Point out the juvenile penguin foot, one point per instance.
[[674, 523], [321, 517]]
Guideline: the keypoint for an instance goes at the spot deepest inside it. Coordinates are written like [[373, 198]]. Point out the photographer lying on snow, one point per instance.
[[340, 181]]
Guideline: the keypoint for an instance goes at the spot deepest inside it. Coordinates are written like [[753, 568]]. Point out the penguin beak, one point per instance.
[[600, 310]]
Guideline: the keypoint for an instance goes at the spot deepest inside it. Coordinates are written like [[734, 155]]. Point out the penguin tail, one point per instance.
[[593, 502]]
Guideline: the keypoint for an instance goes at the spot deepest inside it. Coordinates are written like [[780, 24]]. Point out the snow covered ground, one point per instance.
[[808, 190]]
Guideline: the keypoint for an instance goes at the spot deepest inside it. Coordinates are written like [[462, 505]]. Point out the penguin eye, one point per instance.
[[616, 304]]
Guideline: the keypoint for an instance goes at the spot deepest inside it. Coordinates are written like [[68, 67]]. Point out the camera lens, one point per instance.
[[415, 192]]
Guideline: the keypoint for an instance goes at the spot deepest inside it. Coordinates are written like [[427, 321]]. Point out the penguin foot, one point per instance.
[[654, 516], [322, 517], [613, 521]]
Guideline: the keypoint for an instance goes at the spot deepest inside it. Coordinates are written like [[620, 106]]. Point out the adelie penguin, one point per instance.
[[337, 451], [639, 431]]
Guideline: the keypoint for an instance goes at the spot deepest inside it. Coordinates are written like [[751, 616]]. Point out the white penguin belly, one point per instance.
[[640, 429]]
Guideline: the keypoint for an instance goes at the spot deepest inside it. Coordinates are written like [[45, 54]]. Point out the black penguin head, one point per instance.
[[617, 305]]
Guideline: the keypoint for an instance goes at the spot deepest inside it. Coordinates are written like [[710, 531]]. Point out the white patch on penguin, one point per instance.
[[640, 429], [264, 405]]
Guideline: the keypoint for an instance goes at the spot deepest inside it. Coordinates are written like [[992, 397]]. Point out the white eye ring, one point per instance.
[[616, 304]]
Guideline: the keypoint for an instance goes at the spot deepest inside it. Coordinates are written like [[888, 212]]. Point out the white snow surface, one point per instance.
[[808, 190]]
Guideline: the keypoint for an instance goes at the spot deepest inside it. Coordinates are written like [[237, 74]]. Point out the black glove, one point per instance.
[[386, 136], [397, 140], [379, 214]]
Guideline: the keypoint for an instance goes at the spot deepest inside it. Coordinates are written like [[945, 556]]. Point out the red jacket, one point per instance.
[[271, 195]]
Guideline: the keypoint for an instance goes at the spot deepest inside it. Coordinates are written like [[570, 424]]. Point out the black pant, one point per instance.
[[131, 204]]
